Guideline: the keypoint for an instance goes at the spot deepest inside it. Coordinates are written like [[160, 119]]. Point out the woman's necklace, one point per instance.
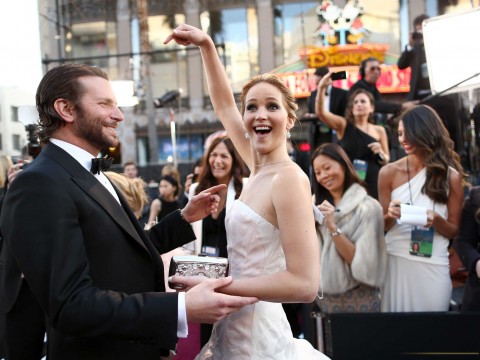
[[271, 163]]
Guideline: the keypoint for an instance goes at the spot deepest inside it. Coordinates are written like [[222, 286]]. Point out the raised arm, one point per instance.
[[218, 85], [333, 121]]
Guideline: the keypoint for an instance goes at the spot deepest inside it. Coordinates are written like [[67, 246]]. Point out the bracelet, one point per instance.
[[180, 211], [336, 232]]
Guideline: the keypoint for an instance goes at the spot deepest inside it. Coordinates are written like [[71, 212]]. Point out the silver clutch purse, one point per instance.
[[191, 265]]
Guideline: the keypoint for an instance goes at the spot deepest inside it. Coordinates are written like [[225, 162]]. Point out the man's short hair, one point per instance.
[[419, 20], [321, 71]]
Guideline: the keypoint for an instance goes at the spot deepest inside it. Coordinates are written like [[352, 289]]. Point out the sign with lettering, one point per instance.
[[392, 80]]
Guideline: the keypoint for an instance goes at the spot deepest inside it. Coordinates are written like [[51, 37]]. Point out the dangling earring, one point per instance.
[[246, 136], [288, 135]]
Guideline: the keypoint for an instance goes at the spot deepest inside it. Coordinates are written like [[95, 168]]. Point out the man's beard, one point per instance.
[[91, 128]]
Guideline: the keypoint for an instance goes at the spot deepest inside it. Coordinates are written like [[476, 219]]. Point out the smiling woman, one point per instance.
[[352, 247], [268, 258], [430, 177]]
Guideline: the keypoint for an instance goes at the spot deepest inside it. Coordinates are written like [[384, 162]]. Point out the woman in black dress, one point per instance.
[[365, 143]]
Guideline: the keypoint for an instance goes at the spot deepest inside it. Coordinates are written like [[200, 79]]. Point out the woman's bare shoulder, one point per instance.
[[392, 168]]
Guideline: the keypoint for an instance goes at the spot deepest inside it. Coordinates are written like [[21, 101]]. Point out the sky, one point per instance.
[[20, 60]]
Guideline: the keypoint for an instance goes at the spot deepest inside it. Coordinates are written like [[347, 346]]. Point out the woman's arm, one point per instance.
[[218, 85], [300, 281], [344, 246], [449, 227], [385, 177], [384, 144], [154, 210], [330, 119]]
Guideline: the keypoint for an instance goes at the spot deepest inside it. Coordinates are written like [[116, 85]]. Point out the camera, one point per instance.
[[339, 75], [34, 147]]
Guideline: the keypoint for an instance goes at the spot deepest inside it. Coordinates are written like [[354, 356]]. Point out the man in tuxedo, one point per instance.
[[335, 101], [70, 235]]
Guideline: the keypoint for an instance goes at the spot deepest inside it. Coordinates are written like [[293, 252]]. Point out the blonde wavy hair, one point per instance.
[[132, 189], [5, 164]]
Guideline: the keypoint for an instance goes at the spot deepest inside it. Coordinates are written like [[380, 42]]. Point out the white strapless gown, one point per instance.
[[260, 331]]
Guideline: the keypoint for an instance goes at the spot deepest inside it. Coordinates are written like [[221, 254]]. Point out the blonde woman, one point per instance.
[[271, 239]]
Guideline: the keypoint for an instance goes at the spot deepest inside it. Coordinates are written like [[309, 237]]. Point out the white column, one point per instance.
[[194, 63], [266, 35]]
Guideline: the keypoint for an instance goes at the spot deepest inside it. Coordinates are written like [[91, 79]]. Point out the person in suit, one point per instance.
[[414, 57], [83, 254], [467, 246], [335, 102]]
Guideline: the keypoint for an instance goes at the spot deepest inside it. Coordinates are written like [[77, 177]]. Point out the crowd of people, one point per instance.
[[91, 266]]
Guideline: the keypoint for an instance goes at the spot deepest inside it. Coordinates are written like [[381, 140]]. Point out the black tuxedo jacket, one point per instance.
[[413, 58], [338, 101], [88, 262], [467, 245]]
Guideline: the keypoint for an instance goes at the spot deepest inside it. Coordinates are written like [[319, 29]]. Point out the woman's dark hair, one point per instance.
[[172, 181], [60, 82], [425, 130], [238, 168], [336, 153], [349, 111]]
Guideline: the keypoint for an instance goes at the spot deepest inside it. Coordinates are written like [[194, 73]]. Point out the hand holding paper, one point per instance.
[[318, 215], [412, 215]]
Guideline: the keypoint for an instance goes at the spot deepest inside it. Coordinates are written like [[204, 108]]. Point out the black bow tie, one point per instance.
[[100, 164]]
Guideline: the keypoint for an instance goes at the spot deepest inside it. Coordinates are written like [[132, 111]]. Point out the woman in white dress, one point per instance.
[[271, 237], [430, 177]]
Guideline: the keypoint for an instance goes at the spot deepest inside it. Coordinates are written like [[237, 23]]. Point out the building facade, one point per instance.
[[125, 38]]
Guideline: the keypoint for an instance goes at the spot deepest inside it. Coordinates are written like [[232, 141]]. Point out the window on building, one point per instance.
[[237, 31], [188, 148], [295, 27], [16, 142], [92, 39], [14, 112], [169, 65]]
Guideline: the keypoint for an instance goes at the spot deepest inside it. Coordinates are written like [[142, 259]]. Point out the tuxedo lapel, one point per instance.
[[102, 196], [92, 187]]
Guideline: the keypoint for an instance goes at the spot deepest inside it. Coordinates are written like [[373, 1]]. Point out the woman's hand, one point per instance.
[[431, 215], [187, 35], [377, 150], [393, 210], [15, 169], [328, 210], [375, 147], [325, 81]]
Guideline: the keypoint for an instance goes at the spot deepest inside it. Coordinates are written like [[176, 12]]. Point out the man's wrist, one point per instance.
[[182, 216]]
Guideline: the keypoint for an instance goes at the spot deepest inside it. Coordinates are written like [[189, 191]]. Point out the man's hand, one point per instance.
[[202, 204], [204, 305]]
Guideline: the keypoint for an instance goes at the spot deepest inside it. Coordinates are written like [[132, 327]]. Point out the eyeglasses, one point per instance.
[[373, 68]]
